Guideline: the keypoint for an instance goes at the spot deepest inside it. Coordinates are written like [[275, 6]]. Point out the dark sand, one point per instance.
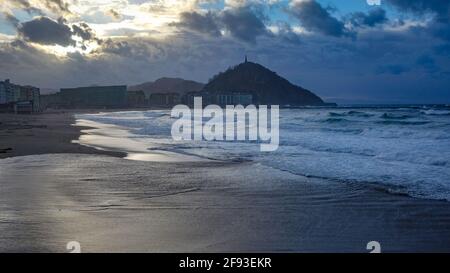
[[49, 132], [112, 204]]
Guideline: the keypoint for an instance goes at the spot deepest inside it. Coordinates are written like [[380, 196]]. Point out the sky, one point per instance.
[[346, 51]]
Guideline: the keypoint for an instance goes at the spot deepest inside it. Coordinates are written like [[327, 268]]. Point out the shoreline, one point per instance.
[[44, 133]]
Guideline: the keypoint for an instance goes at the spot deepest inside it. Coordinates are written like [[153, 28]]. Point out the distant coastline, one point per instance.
[[244, 84]]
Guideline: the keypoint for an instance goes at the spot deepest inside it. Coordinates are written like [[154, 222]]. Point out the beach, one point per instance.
[[49, 132], [54, 191]]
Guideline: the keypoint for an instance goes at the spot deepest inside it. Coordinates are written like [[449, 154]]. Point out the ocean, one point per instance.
[[401, 149]]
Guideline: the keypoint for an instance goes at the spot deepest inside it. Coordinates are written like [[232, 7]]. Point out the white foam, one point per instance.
[[410, 152]]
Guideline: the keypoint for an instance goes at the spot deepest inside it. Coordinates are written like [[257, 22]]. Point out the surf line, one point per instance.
[[235, 122]]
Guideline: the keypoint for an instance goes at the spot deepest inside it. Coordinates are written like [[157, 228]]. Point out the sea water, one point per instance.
[[404, 149]]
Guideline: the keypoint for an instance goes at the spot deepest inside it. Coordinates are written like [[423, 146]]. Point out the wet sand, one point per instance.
[[49, 132], [111, 204]]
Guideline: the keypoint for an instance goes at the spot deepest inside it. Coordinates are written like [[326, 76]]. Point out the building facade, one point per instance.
[[220, 98], [29, 94], [137, 99], [235, 98], [164, 99], [6, 92], [13, 97], [94, 97], [50, 101]]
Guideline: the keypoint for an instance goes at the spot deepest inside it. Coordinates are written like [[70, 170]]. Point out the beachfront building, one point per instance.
[[94, 97], [6, 92], [15, 97], [16, 92], [3, 93], [136, 99], [189, 97], [220, 98], [233, 98], [27, 95], [52, 101], [164, 99]]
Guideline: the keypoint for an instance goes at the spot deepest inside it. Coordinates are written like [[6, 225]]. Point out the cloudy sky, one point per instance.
[[345, 51]]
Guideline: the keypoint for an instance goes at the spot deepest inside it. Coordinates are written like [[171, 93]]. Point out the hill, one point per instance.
[[168, 85], [265, 85]]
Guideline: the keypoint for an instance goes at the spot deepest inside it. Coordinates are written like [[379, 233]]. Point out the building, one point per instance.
[[220, 98], [16, 91], [136, 99], [15, 97], [94, 97], [3, 92], [23, 107], [189, 97], [6, 92], [50, 101], [233, 98], [164, 99], [28, 94]]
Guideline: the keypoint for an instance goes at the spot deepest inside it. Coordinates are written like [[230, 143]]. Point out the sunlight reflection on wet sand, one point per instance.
[[118, 139]]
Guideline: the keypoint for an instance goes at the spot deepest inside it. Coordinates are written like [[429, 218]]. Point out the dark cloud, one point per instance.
[[86, 34], [83, 31], [420, 6], [370, 19], [44, 30], [202, 23], [132, 49], [286, 34], [439, 26], [244, 23], [314, 17], [121, 48]]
